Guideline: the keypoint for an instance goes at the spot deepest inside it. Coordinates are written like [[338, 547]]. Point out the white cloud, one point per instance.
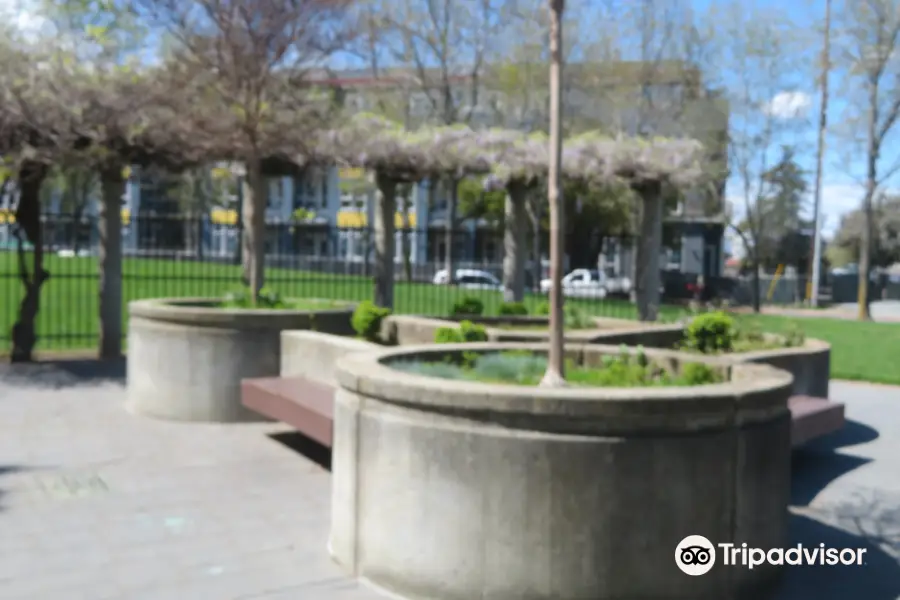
[[23, 15], [789, 105]]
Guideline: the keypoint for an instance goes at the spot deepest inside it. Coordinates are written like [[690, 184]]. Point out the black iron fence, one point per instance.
[[167, 256]]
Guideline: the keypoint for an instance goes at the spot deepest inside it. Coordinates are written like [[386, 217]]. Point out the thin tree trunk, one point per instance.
[[649, 247], [815, 264], [404, 239], [449, 232], [555, 375], [253, 218], [536, 270], [110, 262], [514, 244], [28, 222], [757, 287], [865, 246], [385, 210]]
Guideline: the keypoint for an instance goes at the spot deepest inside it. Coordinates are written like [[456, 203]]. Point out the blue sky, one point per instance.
[[843, 165]]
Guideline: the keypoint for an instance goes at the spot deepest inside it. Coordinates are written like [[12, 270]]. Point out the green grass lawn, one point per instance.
[[69, 300], [862, 351], [69, 306]]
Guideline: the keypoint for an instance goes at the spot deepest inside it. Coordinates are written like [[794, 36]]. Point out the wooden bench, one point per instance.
[[812, 418], [308, 407], [305, 405]]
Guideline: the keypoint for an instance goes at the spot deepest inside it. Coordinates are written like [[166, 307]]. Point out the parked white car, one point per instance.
[[616, 284], [471, 279], [581, 283]]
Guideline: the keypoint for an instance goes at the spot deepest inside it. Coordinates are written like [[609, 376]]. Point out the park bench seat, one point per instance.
[[305, 405], [813, 417], [308, 407]]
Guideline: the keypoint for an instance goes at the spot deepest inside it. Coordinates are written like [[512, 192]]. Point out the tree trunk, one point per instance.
[[28, 222], [404, 240], [865, 245], [253, 218], [757, 287], [555, 375], [110, 262], [198, 231], [448, 230], [536, 270], [385, 210], [514, 244], [649, 246], [815, 254]]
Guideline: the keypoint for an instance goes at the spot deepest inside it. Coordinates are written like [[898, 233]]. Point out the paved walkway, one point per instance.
[[882, 311], [96, 504]]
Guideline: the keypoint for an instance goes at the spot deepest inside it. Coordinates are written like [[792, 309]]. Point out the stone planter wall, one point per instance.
[[313, 354], [458, 490], [810, 365], [186, 357], [410, 330]]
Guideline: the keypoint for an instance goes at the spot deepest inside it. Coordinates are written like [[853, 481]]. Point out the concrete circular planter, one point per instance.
[[810, 364], [186, 356], [459, 489]]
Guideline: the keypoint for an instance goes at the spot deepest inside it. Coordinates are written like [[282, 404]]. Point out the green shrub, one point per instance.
[[794, 336], [698, 374], [710, 333], [577, 318], [242, 298], [468, 305], [472, 332], [367, 320], [467, 332], [543, 309], [448, 335], [510, 367], [513, 309]]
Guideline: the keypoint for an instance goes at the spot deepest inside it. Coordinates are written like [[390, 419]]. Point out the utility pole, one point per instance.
[[823, 124]]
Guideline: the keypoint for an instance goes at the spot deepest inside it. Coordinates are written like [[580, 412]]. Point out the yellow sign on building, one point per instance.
[[223, 216], [351, 173], [351, 219], [9, 216]]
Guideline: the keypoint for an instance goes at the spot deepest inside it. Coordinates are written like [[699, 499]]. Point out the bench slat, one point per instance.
[[306, 405], [814, 417]]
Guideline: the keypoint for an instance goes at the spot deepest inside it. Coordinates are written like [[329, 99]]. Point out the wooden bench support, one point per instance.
[[812, 418], [305, 405], [308, 407]]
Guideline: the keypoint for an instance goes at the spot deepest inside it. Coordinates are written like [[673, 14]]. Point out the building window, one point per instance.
[[325, 190]]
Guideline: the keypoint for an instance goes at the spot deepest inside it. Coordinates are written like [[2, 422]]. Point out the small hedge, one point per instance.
[[367, 320], [711, 333], [467, 305], [513, 309], [467, 332]]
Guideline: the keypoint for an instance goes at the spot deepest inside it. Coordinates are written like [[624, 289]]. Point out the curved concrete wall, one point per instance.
[[186, 357], [313, 354], [459, 490], [413, 330], [810, 365]]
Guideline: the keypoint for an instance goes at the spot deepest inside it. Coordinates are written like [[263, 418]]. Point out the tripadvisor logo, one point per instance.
[[696, 555]]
